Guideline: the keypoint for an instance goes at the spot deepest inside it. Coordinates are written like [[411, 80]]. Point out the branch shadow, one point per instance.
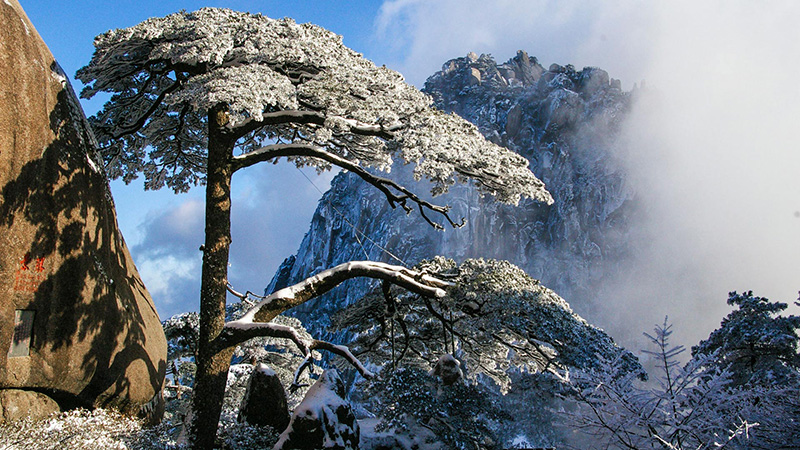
[[90, 340]]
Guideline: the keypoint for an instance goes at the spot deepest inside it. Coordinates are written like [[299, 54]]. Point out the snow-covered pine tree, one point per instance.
[[196, 97], [495, 317], [758, 347], [507, 331], [755, 343]]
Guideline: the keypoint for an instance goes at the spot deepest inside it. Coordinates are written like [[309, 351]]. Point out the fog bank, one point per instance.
[[712, 144], [713, 149]]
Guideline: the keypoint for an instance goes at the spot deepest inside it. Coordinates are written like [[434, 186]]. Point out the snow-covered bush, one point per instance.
[[462, 415], [494, 317], [516, 341], [702, 404]]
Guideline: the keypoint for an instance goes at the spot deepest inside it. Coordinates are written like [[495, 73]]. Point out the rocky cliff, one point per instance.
[[563, 120]]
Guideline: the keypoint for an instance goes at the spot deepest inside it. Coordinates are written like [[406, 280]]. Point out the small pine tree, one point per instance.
[[754, 343], [686, 408], [758, 347]]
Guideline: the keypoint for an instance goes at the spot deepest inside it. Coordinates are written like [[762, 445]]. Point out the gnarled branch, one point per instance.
[[396, 194], [256, 322], [139, 123], [289, 297], [237, 332]]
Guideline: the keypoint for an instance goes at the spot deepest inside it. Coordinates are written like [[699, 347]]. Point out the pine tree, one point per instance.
[[197, 97], [754, 343]]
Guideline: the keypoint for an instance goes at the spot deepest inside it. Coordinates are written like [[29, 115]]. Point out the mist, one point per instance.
[[713, 151], [711, 144]]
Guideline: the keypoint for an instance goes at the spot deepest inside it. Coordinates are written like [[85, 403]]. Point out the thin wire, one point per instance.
[[355, 229], [249, 294]]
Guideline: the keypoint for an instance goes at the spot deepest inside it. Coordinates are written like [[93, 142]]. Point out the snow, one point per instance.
[[81, 429], [58, 75], [267, 70], [266, 370], [411, 278], [520, 442], [92, 164], [322, 402]]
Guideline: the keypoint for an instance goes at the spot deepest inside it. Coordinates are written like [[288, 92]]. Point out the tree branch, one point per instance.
[[315, 118], [324, 281], [256, 322], [237, 332], [134, 127], [401, 197]]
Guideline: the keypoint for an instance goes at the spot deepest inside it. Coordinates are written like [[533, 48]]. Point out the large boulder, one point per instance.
[[76, 322], [17, 404], [264, 402], [323, 420]]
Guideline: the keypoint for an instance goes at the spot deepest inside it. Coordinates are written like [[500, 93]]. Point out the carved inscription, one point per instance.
[[29, 275]]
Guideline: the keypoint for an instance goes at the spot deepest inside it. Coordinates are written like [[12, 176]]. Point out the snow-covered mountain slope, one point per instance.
[[564, 121]]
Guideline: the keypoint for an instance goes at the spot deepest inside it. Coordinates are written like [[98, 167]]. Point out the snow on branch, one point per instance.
[[319, 118], [239, 331], [275, 78], [289, 297], [256, 322], [494, 315]]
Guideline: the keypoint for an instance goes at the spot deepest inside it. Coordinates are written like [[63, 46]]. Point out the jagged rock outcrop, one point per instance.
[[323, 420], [77, 321], [264, 402], [564, 121]]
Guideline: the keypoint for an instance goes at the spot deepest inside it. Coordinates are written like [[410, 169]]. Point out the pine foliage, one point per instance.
[[495, 318], [280, 82]]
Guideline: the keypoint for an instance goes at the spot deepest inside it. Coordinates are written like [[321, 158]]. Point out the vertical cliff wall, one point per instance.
[[564, 121]]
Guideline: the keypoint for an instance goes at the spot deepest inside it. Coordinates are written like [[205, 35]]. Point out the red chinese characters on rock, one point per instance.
[[29, 275]]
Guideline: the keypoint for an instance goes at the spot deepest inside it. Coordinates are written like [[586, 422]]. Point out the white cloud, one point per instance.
[[160, 271], [173, 282], [421, 36], [716, 152], [271, 211]]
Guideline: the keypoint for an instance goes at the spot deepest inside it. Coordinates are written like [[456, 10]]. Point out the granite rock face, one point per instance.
[[16, 404], [265, 402], [323, 420], [564, 121], [76, 321]]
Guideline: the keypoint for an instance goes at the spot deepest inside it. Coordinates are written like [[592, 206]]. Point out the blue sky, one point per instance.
[[716, 160], [164, 230]]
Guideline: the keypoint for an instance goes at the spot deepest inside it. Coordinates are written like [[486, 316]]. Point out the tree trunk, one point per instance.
[[213, 359]]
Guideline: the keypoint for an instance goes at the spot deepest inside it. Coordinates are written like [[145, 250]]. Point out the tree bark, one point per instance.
[[213, 359]]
